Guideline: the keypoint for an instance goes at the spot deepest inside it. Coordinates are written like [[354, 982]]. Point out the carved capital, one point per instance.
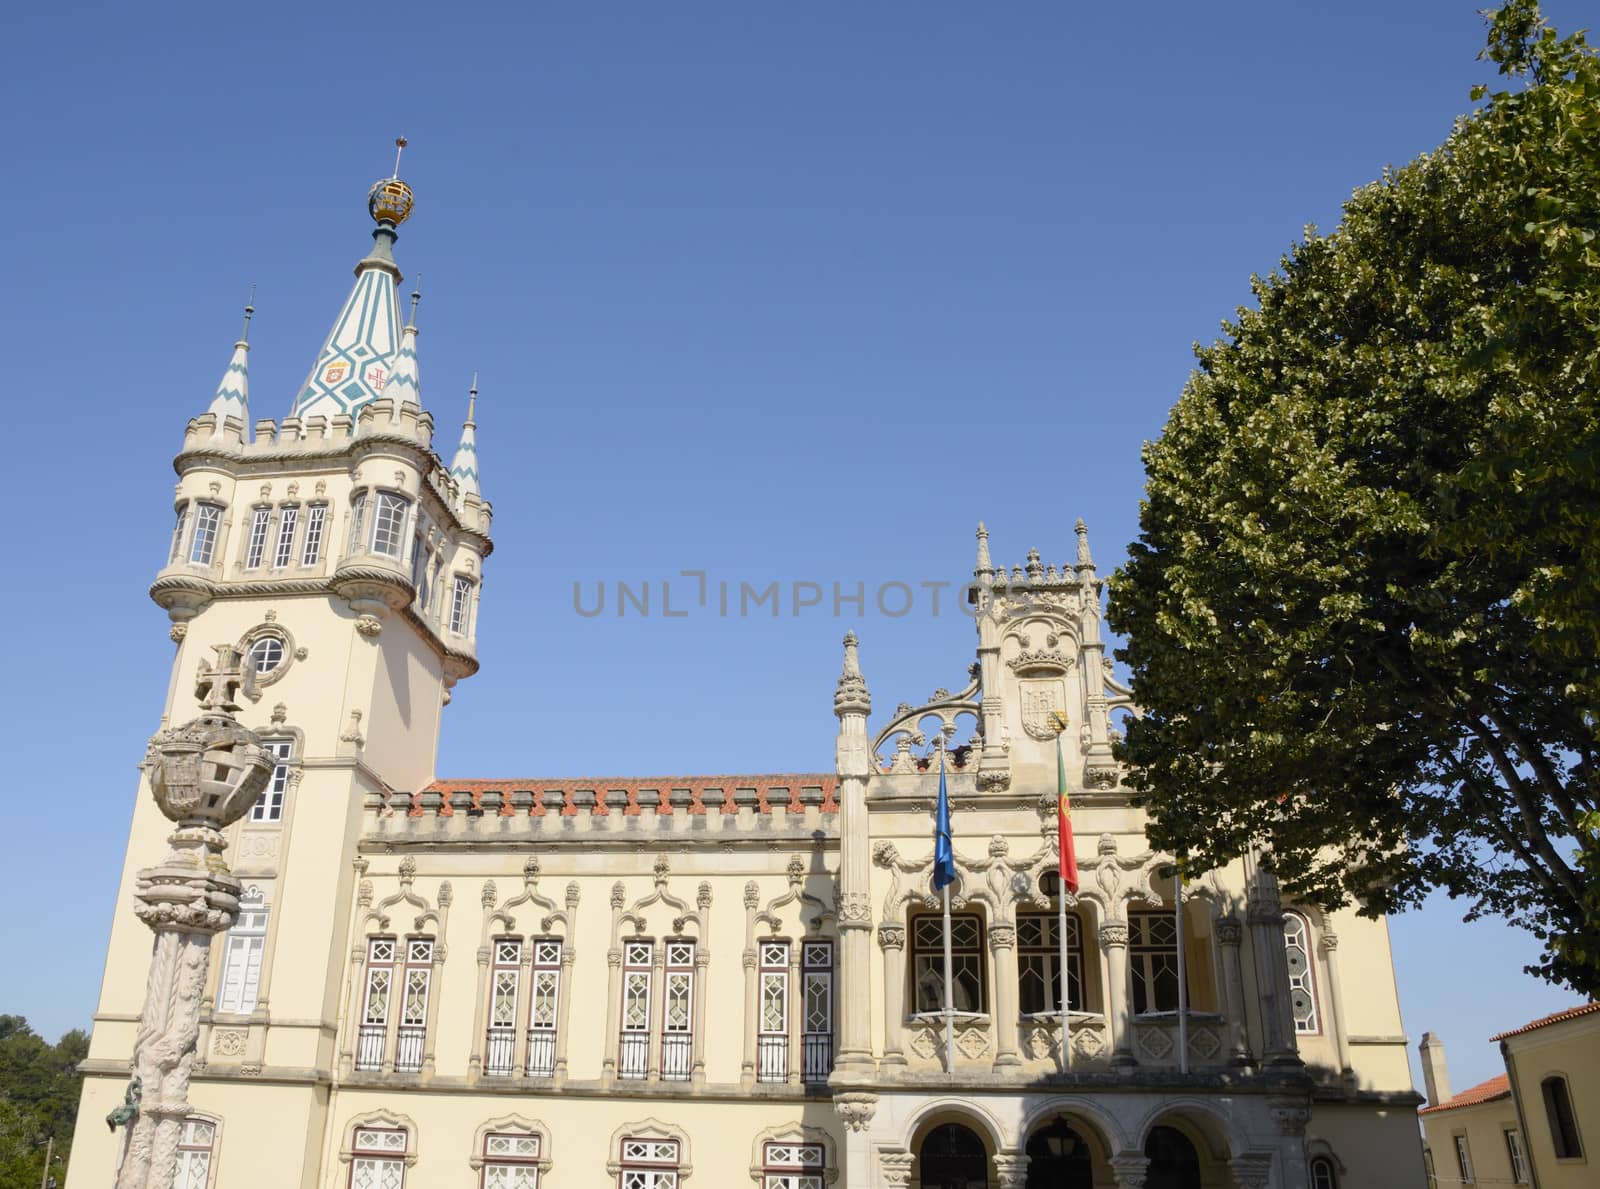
[[369, 625], [1011, 1172], [1330, 941], [1130, 1169], [892, 937], [855, 1110], [1252, 1170], [1002, 937], [1290, 1114], [854, 909], [994, 780], [1114, 935], [1229, 930], [896, 1169]]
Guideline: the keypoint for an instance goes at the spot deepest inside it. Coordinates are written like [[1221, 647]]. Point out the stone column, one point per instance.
[[797, 1010], [752, 1008], [1003, 948], [1330, 954], [1229, 932], [481, 1006], [697, 1068], [569, 960], [519, 1034], [1114, 949], [892, 940], [853, 764], [352, 1023], [204, 775], [608, 1063], [1265, 915], [658, 993], [1010, 1170], [1130, 1169], [895, 1168]]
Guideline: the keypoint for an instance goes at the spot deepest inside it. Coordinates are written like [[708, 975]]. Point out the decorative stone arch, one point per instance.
[[1204, 1127], [511, 1125], [651, 1128], [389, 1120], [1106, 1136], [795, 1133], [967, 1112]]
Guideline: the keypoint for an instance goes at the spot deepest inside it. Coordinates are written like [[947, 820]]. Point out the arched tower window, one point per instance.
[[1302, 980], [1322, 1174], [1563, 1123]]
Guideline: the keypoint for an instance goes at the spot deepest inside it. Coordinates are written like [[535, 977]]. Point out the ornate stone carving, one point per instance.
[[1011, 1172], [1002, 936], [352, 733], [994, 780], [1252, 1170], [851, 696], [892, 937], [896, 1169], [854, 909], [177, 632], [1114, 933], [369, 625], [1290, 1114], [228, 1042], [1229, 930], [1130, 1169], [855, 1110]]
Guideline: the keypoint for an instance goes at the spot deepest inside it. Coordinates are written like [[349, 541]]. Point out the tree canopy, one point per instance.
[[1363, 612], [39, 1086]]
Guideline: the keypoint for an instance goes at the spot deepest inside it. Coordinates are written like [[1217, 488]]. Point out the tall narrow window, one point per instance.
[[433, 585], [194, 1154], [1463, 1160], [288, 521], [816, 1043], [510, 1161], [542, 1007], [634, 1056], [677, 1018], [378, 1158], [1563, 1123], [1302, 982], [1518, 1156], [269, 805], [419, 569], [505, 986], [388, 523], [358, 520], [1322, 1175], [413, 1028], [177, 532], [649, 1164], [203, 545], [461, 605], [1153, 954], [793, 1166], [372, 1035], [772, 1038], [240, 981], [966, 958], [1039, 963], [257, 547], [316, 525]]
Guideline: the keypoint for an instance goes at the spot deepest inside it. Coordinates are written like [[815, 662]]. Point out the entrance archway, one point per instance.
[[953, 1157], [1174, 1164], [1058, 1158]]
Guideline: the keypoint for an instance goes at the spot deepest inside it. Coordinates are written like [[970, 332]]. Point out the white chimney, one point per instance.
[[1435, 1076]]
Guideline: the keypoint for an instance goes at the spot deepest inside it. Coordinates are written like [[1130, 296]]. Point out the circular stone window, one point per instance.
[[269, 651], [267, 655]]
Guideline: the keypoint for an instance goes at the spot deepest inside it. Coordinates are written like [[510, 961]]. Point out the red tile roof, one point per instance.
[[1498, 1086], [1582, 1009], [571, 796]]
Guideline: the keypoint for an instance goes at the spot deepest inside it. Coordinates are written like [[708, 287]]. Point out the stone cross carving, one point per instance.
[[204, 775], [218, 686]]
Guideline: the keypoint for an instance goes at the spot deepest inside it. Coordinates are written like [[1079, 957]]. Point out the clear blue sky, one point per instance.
[[793, 292]]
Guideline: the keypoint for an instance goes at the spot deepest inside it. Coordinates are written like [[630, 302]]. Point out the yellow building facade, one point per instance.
[[654, 982]]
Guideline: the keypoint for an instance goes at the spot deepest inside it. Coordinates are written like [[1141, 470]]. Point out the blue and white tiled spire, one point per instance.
[[361, 350], [464, 466], [233, 393], [404, 386]]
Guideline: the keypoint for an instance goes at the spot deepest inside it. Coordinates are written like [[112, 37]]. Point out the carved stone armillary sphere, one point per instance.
[[205, 775]]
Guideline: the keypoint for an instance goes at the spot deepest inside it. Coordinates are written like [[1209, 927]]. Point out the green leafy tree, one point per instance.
[[1363, 614], [39, 1088]]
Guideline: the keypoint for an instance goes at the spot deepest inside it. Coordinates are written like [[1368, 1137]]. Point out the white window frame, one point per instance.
[[177, 533], [377, 1002], [205, 534], [772, 1010], [1463, 1158], [648, 1163], [261, 649], [926, 968], [638, 988], [256, 549], [544, 1005], [817, 957], [1041, 956], [1149, 959], [516, 1165], [461, 605], [283, 551], [390, 514], [1322, 1173], [269, 805], [416, 985], [197, 1143], [793, 1165], [505, 983], [243, 950], [316, 529], [374, 1148], [1517, 1151], [1297, 936]]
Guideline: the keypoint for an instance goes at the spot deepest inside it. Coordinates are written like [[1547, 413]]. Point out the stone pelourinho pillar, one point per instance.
[[205, 775], [853, 764]]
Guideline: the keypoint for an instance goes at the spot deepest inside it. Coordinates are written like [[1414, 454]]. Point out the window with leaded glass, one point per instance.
[[1153, 957], [388, 523], [543, 1005], [288, 521], [266, 654], [505, 988], [637, 976], [372, 1035], [460, 605], [269, 805], [772, 1028], [417, 976], [316, 525], [207, 522], [358, 519], [677, 1015], [239, 984], [194, 1154], [966, 963], [649, 1164], [1039, 963], [256, 548], [1302, 980], [177, 532], [793, 1166], [378, 1158], [510, 1161], [816, 1043]]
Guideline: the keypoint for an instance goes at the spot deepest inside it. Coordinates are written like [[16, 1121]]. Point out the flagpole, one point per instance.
[[1183, 982], [949, 999], [1061, 929]]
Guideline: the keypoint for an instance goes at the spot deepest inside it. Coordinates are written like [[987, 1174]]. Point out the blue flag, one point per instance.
[[944, 855]]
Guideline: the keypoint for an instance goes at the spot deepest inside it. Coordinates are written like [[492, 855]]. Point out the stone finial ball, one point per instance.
[[208, 771], [390, 201]]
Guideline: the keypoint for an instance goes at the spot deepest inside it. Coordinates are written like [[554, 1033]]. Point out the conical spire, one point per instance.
[[404, 386], [359, 353], [851, 695], [233, 393], [985, 567], [464, 466], [1085, 561]]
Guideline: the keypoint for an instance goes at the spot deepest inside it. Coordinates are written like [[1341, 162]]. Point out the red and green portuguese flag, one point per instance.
[[1069, 854]]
